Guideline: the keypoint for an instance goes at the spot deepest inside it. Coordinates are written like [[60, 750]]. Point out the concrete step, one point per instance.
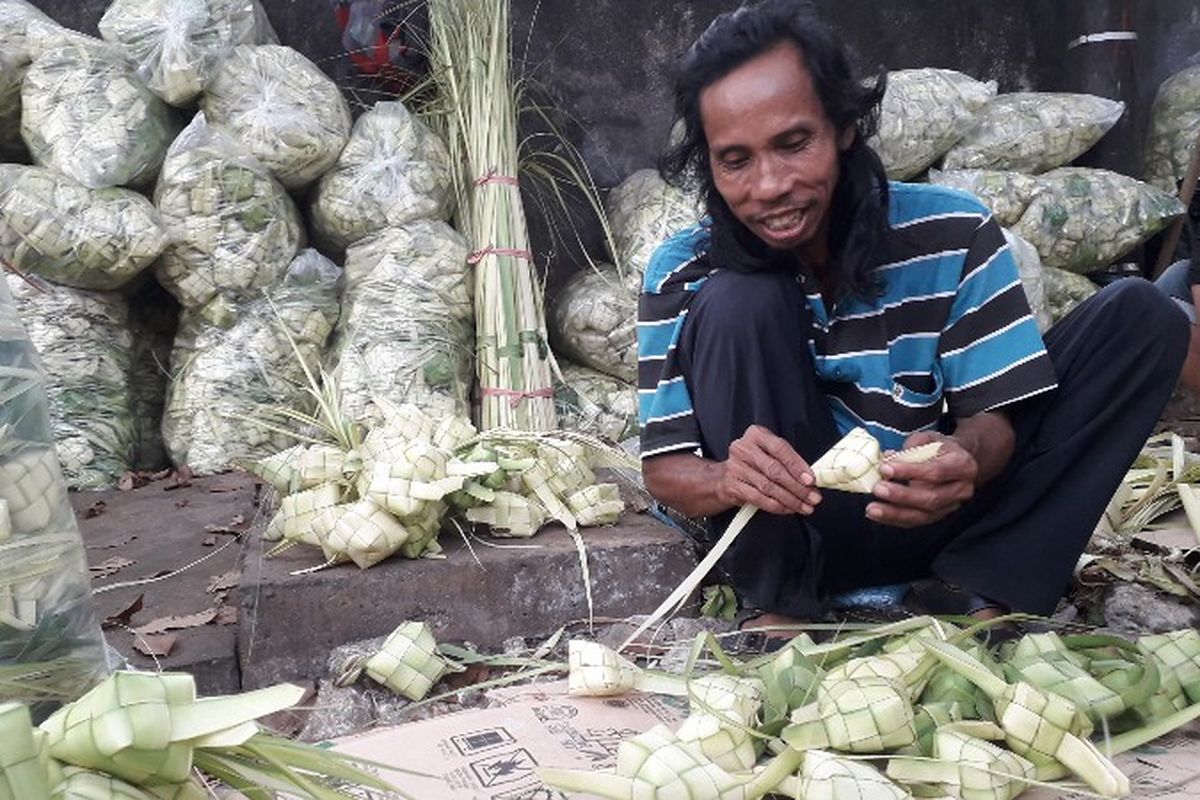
[[492, 591]]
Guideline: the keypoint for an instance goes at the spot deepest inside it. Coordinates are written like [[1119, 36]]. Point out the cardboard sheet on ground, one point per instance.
[[490, 753]]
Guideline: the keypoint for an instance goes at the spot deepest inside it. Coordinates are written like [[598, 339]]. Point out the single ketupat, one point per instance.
[[593, 320]]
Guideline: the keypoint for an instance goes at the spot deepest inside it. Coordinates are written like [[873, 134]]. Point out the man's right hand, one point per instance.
[[766, 471]]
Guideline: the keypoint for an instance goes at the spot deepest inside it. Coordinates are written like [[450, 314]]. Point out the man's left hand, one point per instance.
[[912, 495]]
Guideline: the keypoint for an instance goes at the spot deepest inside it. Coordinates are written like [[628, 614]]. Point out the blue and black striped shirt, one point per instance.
[[950, 330]]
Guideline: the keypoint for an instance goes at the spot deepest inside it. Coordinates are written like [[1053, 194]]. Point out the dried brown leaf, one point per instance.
[[159, 646], [164, 624], [95, 509], [224, 582], [226, 615]]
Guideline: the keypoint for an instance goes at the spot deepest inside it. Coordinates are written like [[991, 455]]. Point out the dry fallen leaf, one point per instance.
[[164, 624], [155, 646], [226, 615], [122, 618], [109, 566], [224, 582], [208, 541]]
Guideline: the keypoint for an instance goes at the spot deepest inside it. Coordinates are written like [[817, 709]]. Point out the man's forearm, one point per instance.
[[687, 483], [989, 438]]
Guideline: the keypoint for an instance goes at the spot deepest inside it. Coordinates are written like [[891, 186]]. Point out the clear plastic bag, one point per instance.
[[51, 648], [84, 342], [233, 366], [1083, 219], [86, 114], [15, 17], [393, 170], [1005, 193], [595, 403], [282, 107], [233, 227], [1065, 290], [593, 320], [178, 44], [1029, 267], [1034, 131], [924, 112], [407, 330], [1174, 126], [644, 211], [75, 236]]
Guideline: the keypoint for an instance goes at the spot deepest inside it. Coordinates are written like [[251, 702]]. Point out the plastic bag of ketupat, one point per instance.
[[643, 212], [178, 44], [85, 113], [1005, 193], [1174, 128], [393, 170], [407, 330], [15, 19], [55, 227], [1033, 281], [233, 228], [1084, 219], [84, 342], [1065, 290], [595, 403], [593, 320], [1033, 131], [234, 366], [282, 107], [51, 648], [923, 113]]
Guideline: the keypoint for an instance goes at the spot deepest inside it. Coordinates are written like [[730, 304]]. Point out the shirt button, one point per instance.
[[897, 391]]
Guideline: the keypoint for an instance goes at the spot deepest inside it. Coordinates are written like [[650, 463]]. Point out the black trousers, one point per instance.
[[1117, 357]]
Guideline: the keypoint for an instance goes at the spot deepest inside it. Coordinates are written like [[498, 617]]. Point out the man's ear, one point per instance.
[[846, 137]]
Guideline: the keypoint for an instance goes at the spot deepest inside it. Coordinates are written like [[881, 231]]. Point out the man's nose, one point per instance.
[[772, 180]]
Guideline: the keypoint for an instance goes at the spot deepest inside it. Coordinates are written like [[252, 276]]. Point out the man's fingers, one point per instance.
[[924, 496], [762, 485], [901, 517]]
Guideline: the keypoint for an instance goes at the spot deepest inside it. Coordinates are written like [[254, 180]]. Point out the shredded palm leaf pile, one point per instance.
[[143, 736], [923, 114], [85, 113], [1163, 479], [51, 648], [233, 227], [72, 235], [407, 329], [393, 170], [234, 360], [917, 708], [1174, 126], [84, 342], [392, 490], [1083, 219], [179, 45], [595, 403], [280, 105], [1033, 131]]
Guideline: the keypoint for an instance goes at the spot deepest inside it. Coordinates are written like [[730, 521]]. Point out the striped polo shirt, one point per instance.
[[951, 329]]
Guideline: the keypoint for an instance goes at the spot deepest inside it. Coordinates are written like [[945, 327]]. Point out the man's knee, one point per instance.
[[1147, 313], [735, 305]]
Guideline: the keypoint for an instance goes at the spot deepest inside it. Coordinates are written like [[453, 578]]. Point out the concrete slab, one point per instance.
[[162, 527], [289, 623]]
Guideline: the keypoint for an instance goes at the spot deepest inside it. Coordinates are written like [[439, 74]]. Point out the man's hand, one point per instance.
[[766, 471], [912, 495]]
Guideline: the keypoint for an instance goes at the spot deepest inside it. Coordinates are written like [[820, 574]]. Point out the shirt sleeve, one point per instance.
[[664, 402], [990, 351]]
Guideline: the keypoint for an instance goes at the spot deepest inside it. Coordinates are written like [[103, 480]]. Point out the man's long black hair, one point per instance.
[[858, 215]]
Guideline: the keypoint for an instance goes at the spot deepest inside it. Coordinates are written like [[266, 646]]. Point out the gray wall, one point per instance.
[[606, 61]]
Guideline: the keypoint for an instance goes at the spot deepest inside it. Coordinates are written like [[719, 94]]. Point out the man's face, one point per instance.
[[773, 152]]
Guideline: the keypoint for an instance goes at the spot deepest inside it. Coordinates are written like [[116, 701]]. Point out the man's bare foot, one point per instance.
[[778, 625]]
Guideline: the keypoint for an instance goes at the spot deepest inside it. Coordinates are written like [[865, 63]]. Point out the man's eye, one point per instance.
[[796, 146], [733, 164]]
